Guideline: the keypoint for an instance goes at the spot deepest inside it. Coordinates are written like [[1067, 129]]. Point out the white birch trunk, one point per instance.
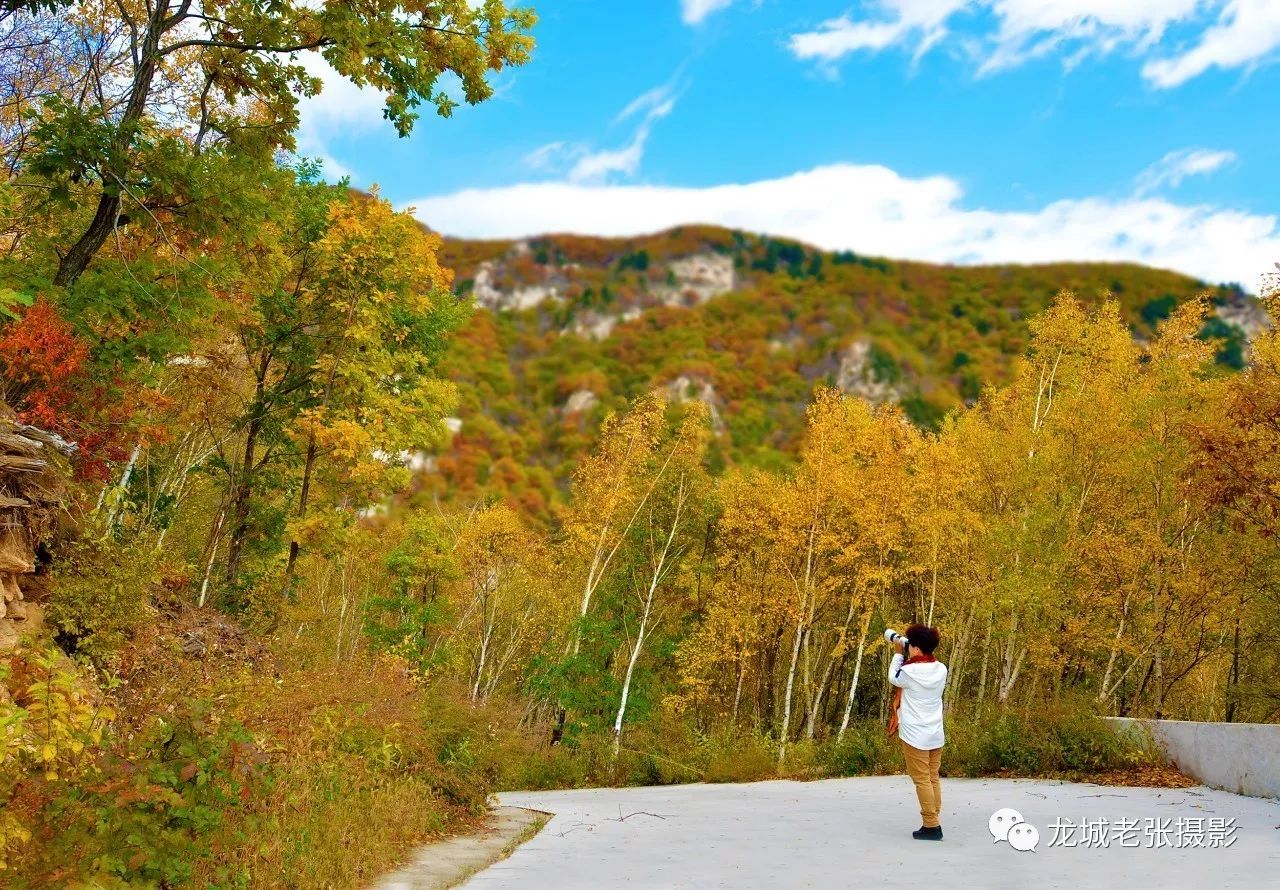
[[791, 682], [933, 587], [660, 566], [631, 668], [986, 658], [480, 662], [603, 555], [857, 671], [801, 616], [123, 486], [737, 692], [1103, 692], [213, 555], [1011, 677]]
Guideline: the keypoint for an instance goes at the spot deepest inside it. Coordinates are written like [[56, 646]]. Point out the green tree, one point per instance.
[[174, 88], [337, 350]]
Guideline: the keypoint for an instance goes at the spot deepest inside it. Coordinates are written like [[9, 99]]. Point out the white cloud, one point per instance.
[[647, 102], [596, 166], [693, 12], [588, 165], [1176, 166], [874, 210], [1246, 33], [546, 157], [340, 108], [900, 21], [1225, 33]]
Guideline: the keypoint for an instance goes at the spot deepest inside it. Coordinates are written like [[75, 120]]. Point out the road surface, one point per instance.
[[856, 833]]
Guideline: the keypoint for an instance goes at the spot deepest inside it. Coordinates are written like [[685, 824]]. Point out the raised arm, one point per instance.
[[896, 675]]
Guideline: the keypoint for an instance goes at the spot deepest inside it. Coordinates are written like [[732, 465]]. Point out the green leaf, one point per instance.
[[9, 299]]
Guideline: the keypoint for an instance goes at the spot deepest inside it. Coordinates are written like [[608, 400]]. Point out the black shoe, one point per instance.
[[928, 834]]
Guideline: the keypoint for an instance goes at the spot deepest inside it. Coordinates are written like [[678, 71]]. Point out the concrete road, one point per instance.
[[856, 833]]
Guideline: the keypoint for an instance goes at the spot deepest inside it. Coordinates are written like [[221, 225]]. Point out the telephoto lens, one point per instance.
[[893, 636]]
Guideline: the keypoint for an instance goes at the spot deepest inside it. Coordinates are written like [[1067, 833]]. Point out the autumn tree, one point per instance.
[[48, 374], [804, 560], [1237, 464], [611, 489], [1093, 533], [900, 487], [339, 347], [624, 533], [174, 91], [512, 608], [377, 305], [727, 661], [663, 542]]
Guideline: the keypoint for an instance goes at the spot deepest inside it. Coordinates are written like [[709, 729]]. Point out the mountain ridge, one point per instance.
[[569, 327]]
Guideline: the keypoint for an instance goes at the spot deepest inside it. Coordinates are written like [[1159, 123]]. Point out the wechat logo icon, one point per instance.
[[1008, 825]]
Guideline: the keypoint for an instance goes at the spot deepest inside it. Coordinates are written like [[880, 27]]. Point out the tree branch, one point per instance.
[[249, 47]]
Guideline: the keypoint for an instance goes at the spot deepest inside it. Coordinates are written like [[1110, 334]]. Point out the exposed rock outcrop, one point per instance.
[[694, 386], [490, 296], [522, 279], [598, 325], [857, 375], [697, 278], [580, 402], [1246, 313]]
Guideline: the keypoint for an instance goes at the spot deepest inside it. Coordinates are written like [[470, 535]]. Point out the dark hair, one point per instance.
[[923, 638]]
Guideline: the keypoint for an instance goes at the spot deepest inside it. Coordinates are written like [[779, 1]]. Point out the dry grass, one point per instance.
[[359, 778], [326, 831], [359, 765]]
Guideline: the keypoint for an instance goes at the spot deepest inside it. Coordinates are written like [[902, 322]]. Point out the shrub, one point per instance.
[[101, 595], [1014, 744], [143, 811], [734, 757], [865, 750], [555, 767], [51, 729], [155, 809], [803, 761], [1066, 738], [1088, 744]]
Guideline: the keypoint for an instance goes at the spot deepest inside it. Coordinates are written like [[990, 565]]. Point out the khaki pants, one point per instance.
[[922, 767]]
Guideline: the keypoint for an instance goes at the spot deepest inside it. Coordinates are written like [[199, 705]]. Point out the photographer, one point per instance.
[[917, 718]]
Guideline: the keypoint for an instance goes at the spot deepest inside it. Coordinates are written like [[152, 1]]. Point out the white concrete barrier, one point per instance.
[[1240, 757]]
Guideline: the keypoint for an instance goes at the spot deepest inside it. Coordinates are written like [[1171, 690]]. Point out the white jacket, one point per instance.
[[920, 714]]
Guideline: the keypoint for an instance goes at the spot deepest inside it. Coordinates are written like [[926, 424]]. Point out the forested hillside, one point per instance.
[[569, 329]]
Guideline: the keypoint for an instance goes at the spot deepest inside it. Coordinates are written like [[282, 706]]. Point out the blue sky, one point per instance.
[[945, 130]]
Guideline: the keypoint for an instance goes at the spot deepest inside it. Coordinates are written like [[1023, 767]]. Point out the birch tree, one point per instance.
[[506, 601], [611, 489], [663, 538]]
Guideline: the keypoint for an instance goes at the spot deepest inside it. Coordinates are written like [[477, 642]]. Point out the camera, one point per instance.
[[894, 637]]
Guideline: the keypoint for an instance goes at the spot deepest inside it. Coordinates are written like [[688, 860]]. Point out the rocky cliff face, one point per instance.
[[589, 299], [859, 374]]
